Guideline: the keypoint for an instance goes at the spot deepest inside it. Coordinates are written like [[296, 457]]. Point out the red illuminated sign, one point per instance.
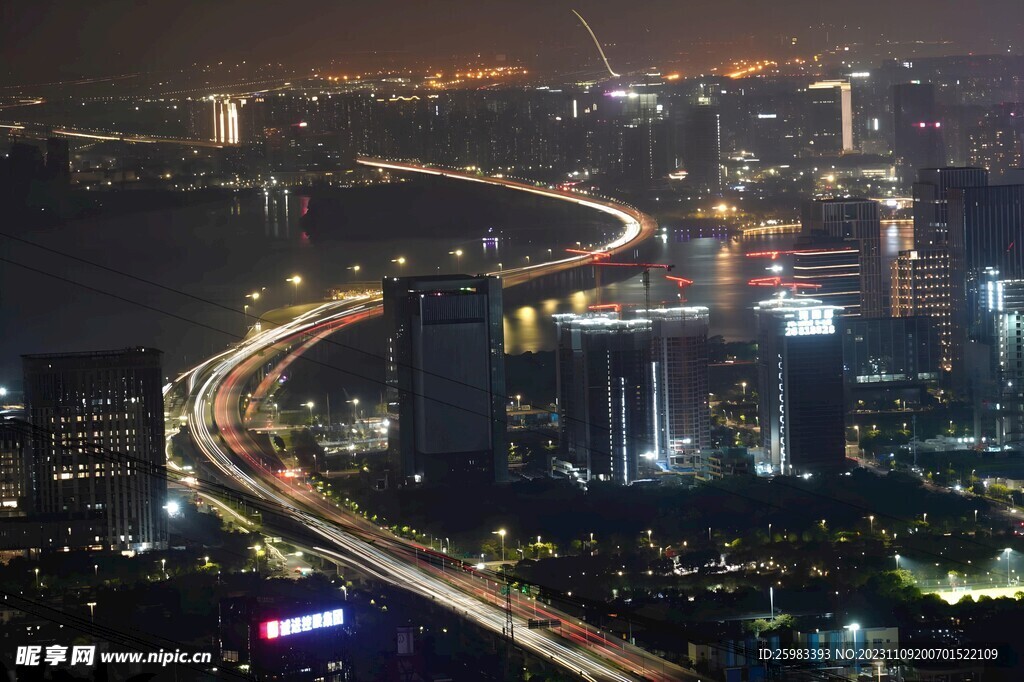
[[285, 627]]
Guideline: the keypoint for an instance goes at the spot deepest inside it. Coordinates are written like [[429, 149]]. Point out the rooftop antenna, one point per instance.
[[596, 43]]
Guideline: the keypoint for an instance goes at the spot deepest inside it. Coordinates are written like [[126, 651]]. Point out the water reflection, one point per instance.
[[720, 270]]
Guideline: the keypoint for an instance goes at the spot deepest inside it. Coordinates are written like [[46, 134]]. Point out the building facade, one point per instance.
[[446, 378], [97, 447], [857, 221], [800, 370], [889, 362], [921, 287], [679, 349], [931, 201], [831, 268], [14, 475], [606, 378]]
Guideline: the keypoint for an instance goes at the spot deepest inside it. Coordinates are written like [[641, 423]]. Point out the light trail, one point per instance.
[[214, 406], [597, 43]]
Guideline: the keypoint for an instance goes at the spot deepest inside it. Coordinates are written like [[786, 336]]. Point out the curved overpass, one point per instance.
[[215, 390]]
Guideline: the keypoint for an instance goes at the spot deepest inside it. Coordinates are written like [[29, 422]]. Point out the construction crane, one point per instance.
[[777, 283], [646, 278], [683, 283]]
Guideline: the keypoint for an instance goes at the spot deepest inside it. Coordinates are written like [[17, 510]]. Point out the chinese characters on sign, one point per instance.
[[272, 629], [810, 322]]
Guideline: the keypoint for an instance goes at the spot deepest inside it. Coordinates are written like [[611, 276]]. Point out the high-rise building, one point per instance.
[[702, 147], [98, 449], [921, 286], [999, 398], [831, 267], [917, 130], [931, 201], [446, 377], [831, 126], [682, 416], [988, 224], [855, 220], [997, 142], [605, 393], [14, 475], [800, 370]]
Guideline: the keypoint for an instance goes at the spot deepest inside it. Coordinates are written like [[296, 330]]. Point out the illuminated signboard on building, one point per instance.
[[811, 322], [272, 629]]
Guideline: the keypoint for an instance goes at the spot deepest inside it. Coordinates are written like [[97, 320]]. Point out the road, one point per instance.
[[215, 389]]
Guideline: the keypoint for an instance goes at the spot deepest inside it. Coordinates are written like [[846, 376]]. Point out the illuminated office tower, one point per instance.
[[921, 286], [605, 393], [831, 126], [800, 370], [225, 120], [679, 381], [857, 221], [446, 377], [98, 449]]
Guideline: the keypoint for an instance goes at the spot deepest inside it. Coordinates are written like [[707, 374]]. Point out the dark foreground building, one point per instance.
[[275, 639], [97, 447], [446, 378]]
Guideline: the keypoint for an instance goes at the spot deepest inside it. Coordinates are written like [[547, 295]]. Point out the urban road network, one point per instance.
[[214, 411]]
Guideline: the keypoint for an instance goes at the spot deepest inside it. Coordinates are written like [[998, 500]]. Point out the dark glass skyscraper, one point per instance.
[[931, 201], [800, 370], [98, 447], [446, 377], [702, 147], [917, 130]]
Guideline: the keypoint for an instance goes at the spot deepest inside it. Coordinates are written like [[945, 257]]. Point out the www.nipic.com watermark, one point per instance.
[[56, 654]]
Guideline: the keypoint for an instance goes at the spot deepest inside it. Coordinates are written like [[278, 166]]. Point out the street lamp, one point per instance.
[[400, 260], [92, 606], [256, 549], [295, 280], [871, 520], [355, 410], [458, 258], [744, 385], [519, 401], [649, 538], [501, 533], [310, 406], [163, 567], [355, 269], [1007, 550], [897, 562], [37, 577]]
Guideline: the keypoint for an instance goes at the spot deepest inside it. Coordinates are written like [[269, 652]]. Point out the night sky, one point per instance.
[[41, 39]]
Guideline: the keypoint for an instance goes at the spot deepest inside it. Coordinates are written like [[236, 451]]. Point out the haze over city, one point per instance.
[[512, 341]]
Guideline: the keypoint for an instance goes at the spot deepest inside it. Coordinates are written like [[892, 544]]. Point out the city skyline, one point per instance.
[[668, 342]]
